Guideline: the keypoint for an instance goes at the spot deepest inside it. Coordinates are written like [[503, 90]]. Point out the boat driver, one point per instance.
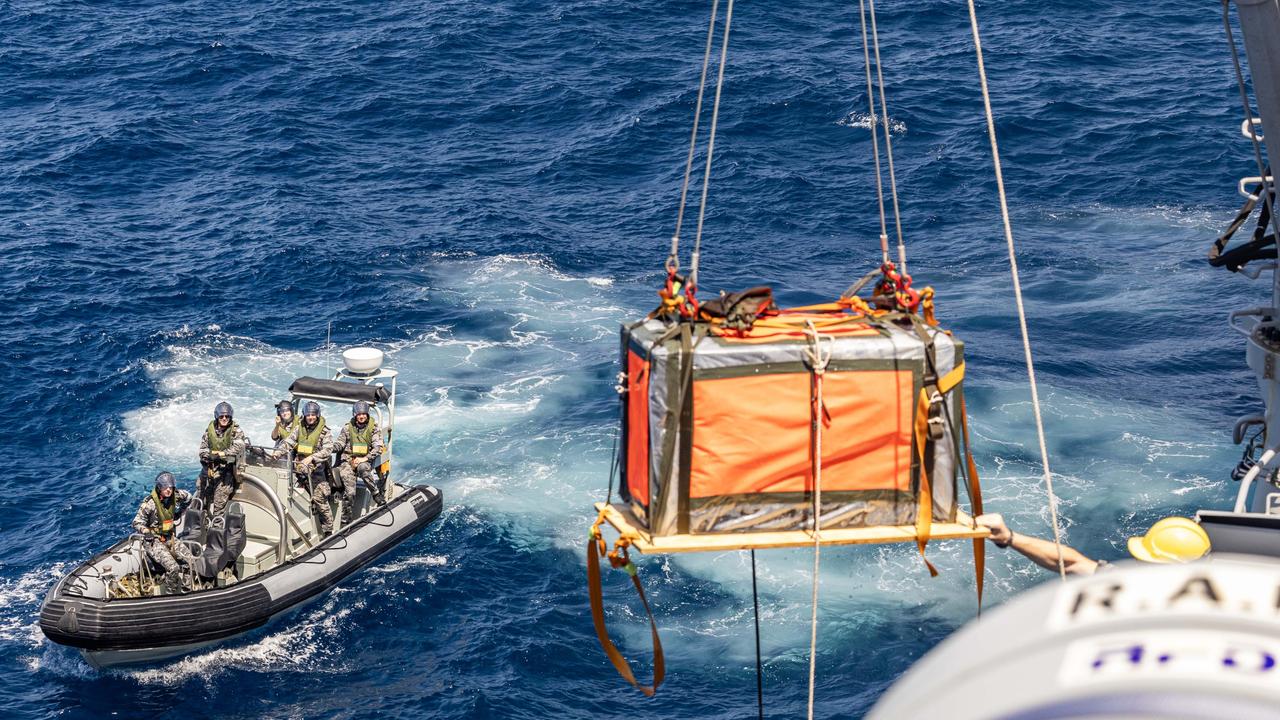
[[286, 422], [1171, 540], [155, 519], [360, 442], [312, 446], [221, 445]]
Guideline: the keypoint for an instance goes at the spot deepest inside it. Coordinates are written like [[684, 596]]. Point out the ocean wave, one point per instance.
[[865, 121]]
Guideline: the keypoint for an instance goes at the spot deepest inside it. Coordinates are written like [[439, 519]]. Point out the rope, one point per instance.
[[711, 146], [673, 260], [1267, 187], [875, 135], [755, 602], [818, 360], [888, 142], [1017, 292]]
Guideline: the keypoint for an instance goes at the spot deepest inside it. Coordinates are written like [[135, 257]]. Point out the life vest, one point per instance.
[[220, 442], [284, 431], [164, 515], [307, 441], [361, 438]]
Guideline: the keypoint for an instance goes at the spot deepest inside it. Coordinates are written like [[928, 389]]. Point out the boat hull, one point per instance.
[[128, 631]]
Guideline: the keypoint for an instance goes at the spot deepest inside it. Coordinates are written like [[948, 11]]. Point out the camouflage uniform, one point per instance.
[[161, 546], [311, 468], [282, 431], [363, 445], [218, 478]]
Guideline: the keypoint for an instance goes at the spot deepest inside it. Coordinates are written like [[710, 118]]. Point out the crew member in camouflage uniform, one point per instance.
[[155, 519], [286, 422], [360, 443], [221, 445], [312, 446]]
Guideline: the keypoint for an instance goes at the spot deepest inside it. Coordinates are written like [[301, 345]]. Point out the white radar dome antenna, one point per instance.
[[1193, 642], [362, 361]]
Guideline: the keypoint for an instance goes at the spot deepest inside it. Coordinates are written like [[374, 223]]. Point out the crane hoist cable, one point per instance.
[[673, 259], [875, 139]]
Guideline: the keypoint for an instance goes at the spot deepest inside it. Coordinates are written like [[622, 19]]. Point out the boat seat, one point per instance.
[[225, 539], [236, 536], [212, 559], [193, 521]]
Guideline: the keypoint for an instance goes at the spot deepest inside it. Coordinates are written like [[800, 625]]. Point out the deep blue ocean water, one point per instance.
[[191, 192]]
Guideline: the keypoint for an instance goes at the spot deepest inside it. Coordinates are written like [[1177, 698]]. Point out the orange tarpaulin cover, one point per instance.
[[638, 428], [751, 434], [790, 325]]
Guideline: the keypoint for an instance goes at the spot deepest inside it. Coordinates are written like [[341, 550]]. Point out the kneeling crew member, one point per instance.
[[155, 520], [1171, 540], [360, 443], [286, 422], [312, 447], [221, 445]]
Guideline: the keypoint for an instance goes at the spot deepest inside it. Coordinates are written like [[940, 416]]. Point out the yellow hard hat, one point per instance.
[[1173, 539]]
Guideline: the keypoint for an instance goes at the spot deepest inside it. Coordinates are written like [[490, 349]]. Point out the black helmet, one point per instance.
[[311, 408], [223, 409], [283, 405], [165, 480], [360, 408]]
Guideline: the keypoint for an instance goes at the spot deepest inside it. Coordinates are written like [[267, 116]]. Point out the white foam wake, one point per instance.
[[493, 413], [866, 121]]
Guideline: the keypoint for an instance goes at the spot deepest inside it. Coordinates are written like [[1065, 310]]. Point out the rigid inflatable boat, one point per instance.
[[263, 558]]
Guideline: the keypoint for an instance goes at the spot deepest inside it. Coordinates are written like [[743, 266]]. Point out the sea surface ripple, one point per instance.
[[190, 193]]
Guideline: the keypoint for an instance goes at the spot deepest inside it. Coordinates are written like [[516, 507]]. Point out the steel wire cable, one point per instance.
[[711, 147], [673, 260], [875, 133], [888, 140]]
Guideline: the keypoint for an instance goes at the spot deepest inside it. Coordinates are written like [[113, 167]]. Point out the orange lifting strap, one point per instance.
[[975, 499], [619, 557]]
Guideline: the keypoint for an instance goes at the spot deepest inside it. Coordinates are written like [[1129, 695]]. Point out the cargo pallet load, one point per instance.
[[746, 427], [749, 427], [721, 426]]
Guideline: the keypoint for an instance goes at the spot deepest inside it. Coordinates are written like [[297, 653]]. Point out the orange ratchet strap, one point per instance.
[[975, 497], [619, 558], [924, 508]]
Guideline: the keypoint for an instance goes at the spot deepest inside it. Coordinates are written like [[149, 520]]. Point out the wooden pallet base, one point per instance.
[[621, 518]]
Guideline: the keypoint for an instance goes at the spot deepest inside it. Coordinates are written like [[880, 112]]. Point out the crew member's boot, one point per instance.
[[348, 509], [171, 583]]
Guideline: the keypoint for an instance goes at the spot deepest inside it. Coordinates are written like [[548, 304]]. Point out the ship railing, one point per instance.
[[1252, 319], [1246, 483]]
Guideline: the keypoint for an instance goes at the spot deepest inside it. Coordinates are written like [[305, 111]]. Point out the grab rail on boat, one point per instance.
[[279, 508]]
